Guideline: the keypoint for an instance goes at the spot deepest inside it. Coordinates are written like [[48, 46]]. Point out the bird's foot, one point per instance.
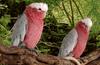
[[70, 54], [73, 60], [34, 52], [14, 47]]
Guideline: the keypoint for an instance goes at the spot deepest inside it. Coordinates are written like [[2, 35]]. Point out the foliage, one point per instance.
[[4, 30], [61, 18]]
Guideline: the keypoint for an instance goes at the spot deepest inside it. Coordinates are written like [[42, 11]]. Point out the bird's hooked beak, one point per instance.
[[44, 15]]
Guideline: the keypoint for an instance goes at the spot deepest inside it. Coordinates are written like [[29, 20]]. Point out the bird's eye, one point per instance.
[[39, 8]]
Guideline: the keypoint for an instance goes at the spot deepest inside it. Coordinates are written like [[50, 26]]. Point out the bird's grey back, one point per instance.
[[68, 43], [19, 30]]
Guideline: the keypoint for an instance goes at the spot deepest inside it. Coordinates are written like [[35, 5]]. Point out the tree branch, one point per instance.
[[20, 56]]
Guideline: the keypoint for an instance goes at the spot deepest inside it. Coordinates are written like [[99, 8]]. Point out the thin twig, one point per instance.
[[78, 9], [48, 44], [72, 12], [58, 5], [66, 11], [3, 27]]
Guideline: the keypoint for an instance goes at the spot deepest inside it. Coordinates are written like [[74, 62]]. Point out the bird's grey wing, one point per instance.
[[19, 30], [68, 43]]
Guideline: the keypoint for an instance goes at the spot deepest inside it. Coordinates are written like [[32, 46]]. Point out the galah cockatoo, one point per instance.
[[28, 28], [75, 41]]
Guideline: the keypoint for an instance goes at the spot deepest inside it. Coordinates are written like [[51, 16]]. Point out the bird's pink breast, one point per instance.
[[81, 41], [34, 28], [33, 35]]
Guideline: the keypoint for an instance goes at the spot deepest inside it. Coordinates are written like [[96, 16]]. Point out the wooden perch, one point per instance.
[[18, 56]]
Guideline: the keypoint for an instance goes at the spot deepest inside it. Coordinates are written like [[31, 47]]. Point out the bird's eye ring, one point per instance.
[[39, 8]]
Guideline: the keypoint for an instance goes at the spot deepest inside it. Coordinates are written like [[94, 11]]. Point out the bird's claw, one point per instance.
[[73, 59]]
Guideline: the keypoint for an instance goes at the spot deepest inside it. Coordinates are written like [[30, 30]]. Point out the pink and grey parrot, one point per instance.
[[28, 28], [75, 41]]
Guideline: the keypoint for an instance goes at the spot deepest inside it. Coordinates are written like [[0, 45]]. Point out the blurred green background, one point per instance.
[[61, 18]]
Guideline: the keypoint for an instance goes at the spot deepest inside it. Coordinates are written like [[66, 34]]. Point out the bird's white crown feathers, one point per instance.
[[42, 6], [87, 22]]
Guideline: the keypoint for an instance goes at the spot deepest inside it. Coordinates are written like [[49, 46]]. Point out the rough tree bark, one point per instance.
[[18, 56]]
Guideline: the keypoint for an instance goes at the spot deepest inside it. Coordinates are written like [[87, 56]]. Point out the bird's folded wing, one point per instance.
[[68, 43], [19, 30]]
